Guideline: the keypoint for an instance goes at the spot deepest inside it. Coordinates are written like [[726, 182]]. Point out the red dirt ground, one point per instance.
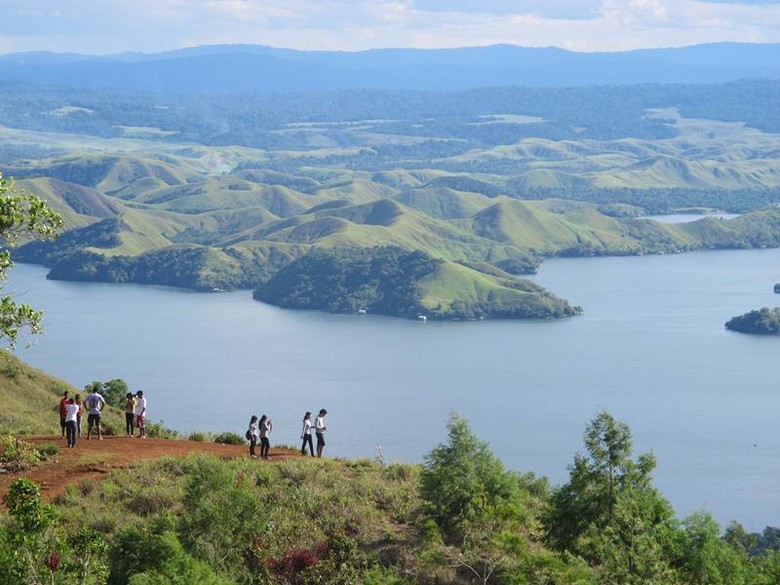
[[93, 459]]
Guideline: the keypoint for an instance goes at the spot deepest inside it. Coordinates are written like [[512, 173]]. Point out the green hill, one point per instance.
[[31, 398]]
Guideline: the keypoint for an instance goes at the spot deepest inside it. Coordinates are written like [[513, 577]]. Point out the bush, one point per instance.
[[198, 437], [17, 455], [48, 450], [230, 439], [158, 430]]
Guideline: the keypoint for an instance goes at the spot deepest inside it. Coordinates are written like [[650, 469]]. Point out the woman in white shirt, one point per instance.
[[253, 434], [306, 434], [319, 430]]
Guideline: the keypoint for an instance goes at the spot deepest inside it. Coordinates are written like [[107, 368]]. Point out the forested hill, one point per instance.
[[230, 68]]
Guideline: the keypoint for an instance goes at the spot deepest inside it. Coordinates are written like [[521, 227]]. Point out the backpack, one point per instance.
[[248, 435]]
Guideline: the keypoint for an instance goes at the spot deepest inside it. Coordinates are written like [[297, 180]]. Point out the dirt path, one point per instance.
[[93, 459]]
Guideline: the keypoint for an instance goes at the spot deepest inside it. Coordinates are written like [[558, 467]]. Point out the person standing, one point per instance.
[[129, 413], [306, 434], [94, 403], [319, 430], [254, 435], [78, 415], [70, 421], [265, 430], [140, 413], [63, 411]]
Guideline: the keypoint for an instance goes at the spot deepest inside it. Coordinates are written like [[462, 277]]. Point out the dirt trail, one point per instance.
[[93, 459]]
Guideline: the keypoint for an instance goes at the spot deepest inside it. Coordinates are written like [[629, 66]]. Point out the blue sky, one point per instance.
[[112, 26]]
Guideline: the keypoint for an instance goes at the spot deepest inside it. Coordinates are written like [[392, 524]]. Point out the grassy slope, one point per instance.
[[31, 398], [173, 195]]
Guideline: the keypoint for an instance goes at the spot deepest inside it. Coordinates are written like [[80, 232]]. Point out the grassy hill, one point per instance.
[[495, 191], [31, 398]]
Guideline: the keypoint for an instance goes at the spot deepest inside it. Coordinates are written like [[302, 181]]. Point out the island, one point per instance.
[[764, 321]]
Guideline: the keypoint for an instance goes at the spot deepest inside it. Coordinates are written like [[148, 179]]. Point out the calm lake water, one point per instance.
[[650, 348]]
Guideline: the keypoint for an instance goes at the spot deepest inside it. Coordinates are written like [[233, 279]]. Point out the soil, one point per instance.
[[93, 459]]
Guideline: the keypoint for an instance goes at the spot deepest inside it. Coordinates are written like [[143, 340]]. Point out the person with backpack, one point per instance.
[[94, 403], [252, 435]]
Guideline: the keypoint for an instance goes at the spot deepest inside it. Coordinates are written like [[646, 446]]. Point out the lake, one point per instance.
[[650, 348]]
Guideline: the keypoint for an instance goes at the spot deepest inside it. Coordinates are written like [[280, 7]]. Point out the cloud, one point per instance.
[[97, 26]]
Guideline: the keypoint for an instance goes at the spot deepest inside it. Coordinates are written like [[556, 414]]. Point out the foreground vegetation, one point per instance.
[[458, 518]]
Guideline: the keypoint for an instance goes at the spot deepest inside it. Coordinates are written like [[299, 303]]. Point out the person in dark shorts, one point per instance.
[[319, 430], [63, 411], [94, 403]]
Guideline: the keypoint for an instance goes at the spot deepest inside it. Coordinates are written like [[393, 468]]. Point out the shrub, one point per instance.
[[48, 450], [17, 455], [230, 439], [198, 437], [158, 430]]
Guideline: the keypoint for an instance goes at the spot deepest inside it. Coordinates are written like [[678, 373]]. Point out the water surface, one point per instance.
[[650, 348]]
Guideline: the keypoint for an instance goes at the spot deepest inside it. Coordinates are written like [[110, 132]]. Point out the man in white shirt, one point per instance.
[[71, 415], [94, 403]]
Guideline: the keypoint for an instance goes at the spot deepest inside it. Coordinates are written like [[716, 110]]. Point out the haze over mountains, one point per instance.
[[230, 68]]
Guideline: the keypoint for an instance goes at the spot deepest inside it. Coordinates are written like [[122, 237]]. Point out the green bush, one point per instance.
[[230, 439], [48, 450], [17, 455], [198, 437]]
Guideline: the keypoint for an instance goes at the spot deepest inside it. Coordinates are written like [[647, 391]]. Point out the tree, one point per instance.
[[609, 513], [474, 502], [22, 216]]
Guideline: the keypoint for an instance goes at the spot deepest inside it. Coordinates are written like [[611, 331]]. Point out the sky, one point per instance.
[[112, 26]]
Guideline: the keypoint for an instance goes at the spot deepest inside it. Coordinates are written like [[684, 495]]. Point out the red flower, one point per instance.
[[54, 562]]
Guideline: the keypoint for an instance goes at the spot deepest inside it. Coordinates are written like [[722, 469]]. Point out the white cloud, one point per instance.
[[98, 26]]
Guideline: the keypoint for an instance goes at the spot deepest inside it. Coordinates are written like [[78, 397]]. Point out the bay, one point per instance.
[[650, 349]]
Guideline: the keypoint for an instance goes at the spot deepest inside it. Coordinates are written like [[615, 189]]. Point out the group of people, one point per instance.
[[260, 430], [135, 414], [71, 412]]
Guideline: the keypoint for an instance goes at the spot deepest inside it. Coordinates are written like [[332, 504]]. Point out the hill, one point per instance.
[[232, 68], [31, 398], [221, 192]]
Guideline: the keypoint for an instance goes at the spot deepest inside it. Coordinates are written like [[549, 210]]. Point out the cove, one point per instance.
[[650, 348]]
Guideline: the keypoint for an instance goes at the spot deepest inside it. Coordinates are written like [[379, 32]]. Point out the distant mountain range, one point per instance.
[[231, 68]]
